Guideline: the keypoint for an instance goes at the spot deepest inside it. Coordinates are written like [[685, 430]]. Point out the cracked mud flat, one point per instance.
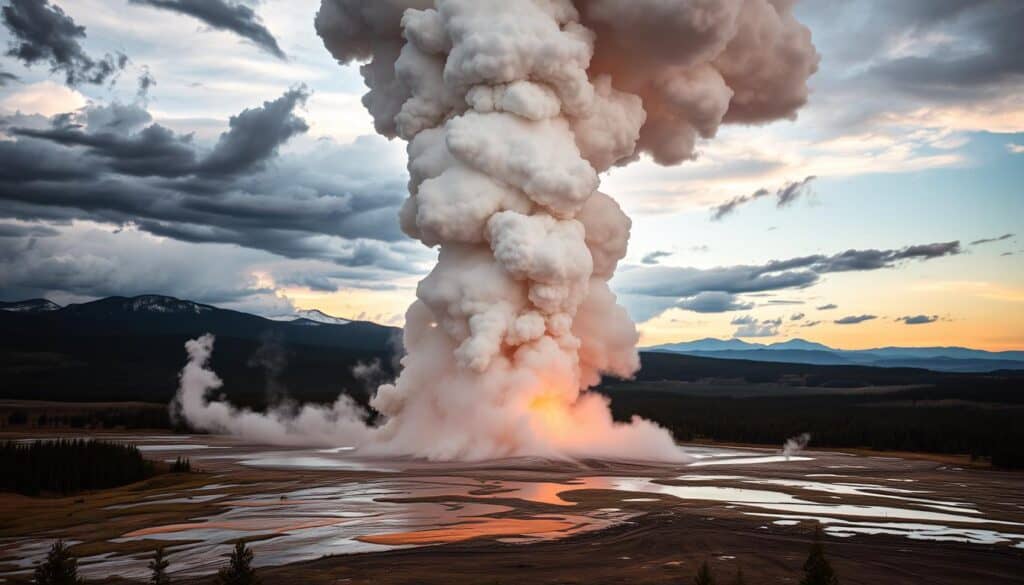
[[326, 515]]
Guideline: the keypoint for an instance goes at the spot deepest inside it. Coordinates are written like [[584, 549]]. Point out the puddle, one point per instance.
[[846, 489], [309, 462], [750, 460], [154, 502], [914, 531], [174, 447]]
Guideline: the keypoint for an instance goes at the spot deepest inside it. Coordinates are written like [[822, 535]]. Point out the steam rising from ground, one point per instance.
[[511, 109], [794, 445]]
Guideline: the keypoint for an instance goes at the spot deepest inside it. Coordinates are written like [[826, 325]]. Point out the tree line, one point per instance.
[[926, 420], [69, 466]]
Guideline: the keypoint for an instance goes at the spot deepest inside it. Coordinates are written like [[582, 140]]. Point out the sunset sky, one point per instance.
[[890, 212]]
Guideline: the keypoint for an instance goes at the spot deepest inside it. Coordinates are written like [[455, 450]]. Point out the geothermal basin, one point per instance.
[[297, 505]]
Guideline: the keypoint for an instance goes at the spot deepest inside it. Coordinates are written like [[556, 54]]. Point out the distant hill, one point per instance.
[[121, 348], [152, 315], [29, 306], [800, 351]]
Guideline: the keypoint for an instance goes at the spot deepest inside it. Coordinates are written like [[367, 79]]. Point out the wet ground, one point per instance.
[[296, 506]]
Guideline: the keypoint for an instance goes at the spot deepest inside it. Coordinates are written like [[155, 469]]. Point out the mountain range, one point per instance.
[[120, 348], [45, 325], [801, 351], [163, 315]]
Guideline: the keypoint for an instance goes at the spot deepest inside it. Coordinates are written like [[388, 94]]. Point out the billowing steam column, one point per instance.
[[511, 109]]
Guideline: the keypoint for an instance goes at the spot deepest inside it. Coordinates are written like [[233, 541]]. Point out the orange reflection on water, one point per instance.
[[475, 528]]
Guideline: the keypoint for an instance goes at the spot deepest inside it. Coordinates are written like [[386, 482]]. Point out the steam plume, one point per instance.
[[511, 109], [794, 445]]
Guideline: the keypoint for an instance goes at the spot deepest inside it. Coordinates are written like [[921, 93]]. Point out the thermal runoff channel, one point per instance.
[[511, 110]]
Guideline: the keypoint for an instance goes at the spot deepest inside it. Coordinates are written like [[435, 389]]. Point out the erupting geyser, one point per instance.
[[511, 109]]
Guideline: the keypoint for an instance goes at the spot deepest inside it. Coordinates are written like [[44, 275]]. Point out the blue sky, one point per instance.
[[909, 135]]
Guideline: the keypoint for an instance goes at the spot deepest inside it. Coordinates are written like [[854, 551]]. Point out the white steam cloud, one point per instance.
[[794, 445], [511, 110]]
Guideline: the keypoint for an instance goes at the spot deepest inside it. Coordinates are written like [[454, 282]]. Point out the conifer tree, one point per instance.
[[817, 570], [159, 568], [704, 575], [239, 570], [59, 568]]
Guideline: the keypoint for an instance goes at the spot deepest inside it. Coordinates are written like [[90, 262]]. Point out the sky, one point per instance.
[[213, 150]]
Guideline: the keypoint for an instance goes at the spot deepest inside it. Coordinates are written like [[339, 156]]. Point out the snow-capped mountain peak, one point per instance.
[[318, 316], [30, 306]]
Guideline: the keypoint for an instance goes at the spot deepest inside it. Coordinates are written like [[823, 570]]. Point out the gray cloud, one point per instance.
[[784, 196], [6, 77], [16, 230], [810, 324], [224, 15], [750, 327], [1001, 238], [828, 307], [918, 319], [649, 290], [997, 55], [113, 164], [854, 319], [655, 257], [255, 135], [146, 82], [664, 281], [796, 316], [44, 33], [889, 58], [83, 261], [714, 302], [91, 262]]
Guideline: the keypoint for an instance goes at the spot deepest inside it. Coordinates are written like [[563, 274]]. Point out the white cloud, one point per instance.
[[46, 98]]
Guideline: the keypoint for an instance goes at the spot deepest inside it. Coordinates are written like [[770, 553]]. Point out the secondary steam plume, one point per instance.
[[794, 445], [511, 109]]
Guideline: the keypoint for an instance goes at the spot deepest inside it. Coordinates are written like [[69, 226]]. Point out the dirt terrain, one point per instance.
[[326, 516]]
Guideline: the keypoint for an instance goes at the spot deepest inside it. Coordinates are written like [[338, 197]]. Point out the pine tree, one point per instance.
[[704, 576], [59, 568], [159, 568], [817, 570], [739, 580], [239, 570]]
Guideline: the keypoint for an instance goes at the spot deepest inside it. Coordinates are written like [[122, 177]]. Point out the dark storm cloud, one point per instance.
[[784, 196], [1001, 238], [714, 302], [924, 51], [113, 164], [854, 319], [918, 319], [224, 15], [15, 230], [255, 135], [43, 33], [993, 27], [655, 257]]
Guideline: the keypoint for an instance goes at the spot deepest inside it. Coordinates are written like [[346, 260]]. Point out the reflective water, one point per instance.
[[349, 504]]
